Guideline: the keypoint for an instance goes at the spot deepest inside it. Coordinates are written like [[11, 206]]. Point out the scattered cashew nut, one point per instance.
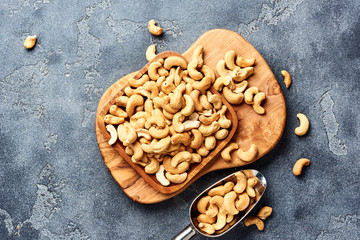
[[153, 29], [225, 154], [299, 165], [304, 125], [30, 42], [287, 78]]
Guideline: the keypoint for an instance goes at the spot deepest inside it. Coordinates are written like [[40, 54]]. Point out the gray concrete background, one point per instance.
[[53, 182]]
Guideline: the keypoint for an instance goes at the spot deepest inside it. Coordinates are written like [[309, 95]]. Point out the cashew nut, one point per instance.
[[193, 72], [190, 124], [186, 78], [241, 182], [212, 210], [134, 100], [203, 218], [138, 83], [202, 85], [175, 61], [194, 116], [243, 202], [30, 42], [221, 216], [232, 97], [304, 125], [287, 78], [151, 52], [299, 165], [220, 82], [250, 187], [166, 106], [152, 167], [153, 29], [240, 74], [258, 99], [264, 212], [153, 70], [161, 177], [220, 68], [195, 158], [177, 122], [198, 139], [149, 106], [111, 119], [251, 220], [178, 76], [210, 142], [128, 150], [204, 102], [183, 138], [138, 152], [230, 59], [162, 145], [216, 101], [113, 134], [180, 168], [206, 227], [225, 154], [180, 157], [175, 100], [240, 87], [189, 106], [152, 87], [245, 62], [176, 178], [202, 204], [126, 133], [229, 203], [198, 55], [221, 190], [143, 133], [202, 151], [221, 134], [208, 72], [249, 155], [159, 133], [121, 101], [249, 94], [156, 120], [210, 129], [195, 97], [209, 120]]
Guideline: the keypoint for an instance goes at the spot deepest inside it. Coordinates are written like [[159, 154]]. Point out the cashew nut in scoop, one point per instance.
[[225, 154], [221, 69], [153, 166], [240, 74], [195, 97], [175, 61], [198, 55], [202, 204], [210, 142], [287, 78], [175, 100], [138, 83], [126, 133], [229, 203], [245, 62], [251, 182], [193, 72], [153, 29], [206, 227], [230, 59], [249, 94], [210, 129], [231, 97], [134, 101], [150, 52], [180, 157], [202, 85], [212, 210], [203, 218], [216, 101], [189, 106], [304, 125], [208, 72], [221, 190], [159, 133], [249, 155], [180, 168], [264, 212], [113, 134], [160, 176], [241, 182], [243, 202], [121, 101], [252, 220], [221, 216], [299, 165], [153, 70], [258, 99], [176, 178], [111, 119], [152, 87], [220, 82]]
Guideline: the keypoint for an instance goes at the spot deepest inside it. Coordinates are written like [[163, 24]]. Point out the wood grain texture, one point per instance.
[[263, 130]]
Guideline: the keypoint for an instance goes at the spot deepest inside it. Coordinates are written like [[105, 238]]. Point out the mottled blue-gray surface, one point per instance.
[[53, 182]]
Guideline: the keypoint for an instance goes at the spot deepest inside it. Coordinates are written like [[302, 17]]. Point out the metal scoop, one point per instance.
[[192, 230]]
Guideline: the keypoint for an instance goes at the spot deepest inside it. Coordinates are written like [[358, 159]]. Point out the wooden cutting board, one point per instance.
[[263, 130]]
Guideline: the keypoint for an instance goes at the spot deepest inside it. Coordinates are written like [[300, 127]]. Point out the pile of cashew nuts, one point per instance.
[[218, 209], [168, 119]]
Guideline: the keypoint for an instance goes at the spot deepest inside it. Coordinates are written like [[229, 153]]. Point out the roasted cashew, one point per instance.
[[177, 122], [175, 100], [180, 157], [138, 83], [29, 42], [198, 55], [134, 100], [240, 74], [180, 168], [250, 187], [212, 210], [249, 94], [153, 29], [193, 72], [220, 68], [159, 133], [195, 158], [251, 220], [206, 227], [224, 122], [176, 178], [229, 203], [299, 165], [195, 97], [113, 134], [210, 142], [205, 102], [121, 101], [186, 78], [202, 85], [287, 78], [190, 124], [221, 134], [202, 151], [153, 70], [198, 139], [243, 202], [161, 177], [175, 61], [264, 212], [153, 166], [304, 125], [221, 216], [232, 97], [189, 106], [161, 145], [143, 133], [249, 155], [216, 101], [258, 99], [128, 150], [203, 218], [241, 182], [183, 138], [178, 76], [225, 154], [152, 87], [210, 129], [194, 116], [151, 52], [220, 82], [148, 106], [111, 119], [221, 190], [202, 204], [188, 88], [126, 133], [230, 59], [157, 120], [160, 81], [240, 87], [245, 62], [166, 106], [168, 115], [208, 72], [138, 152], [209, 120]]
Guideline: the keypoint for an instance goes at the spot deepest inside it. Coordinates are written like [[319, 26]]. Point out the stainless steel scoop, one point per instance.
[[192, 230]]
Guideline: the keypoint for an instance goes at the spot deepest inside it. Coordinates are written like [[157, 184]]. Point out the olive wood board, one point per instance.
[[263, 130]]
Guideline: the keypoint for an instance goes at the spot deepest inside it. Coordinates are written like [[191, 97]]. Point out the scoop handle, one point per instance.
[[186, 234]]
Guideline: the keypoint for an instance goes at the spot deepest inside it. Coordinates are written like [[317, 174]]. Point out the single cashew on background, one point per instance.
[[302, 129], [299, 165], [153, 29]]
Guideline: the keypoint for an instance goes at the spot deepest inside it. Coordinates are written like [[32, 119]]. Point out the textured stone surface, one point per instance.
[[53, 182]]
